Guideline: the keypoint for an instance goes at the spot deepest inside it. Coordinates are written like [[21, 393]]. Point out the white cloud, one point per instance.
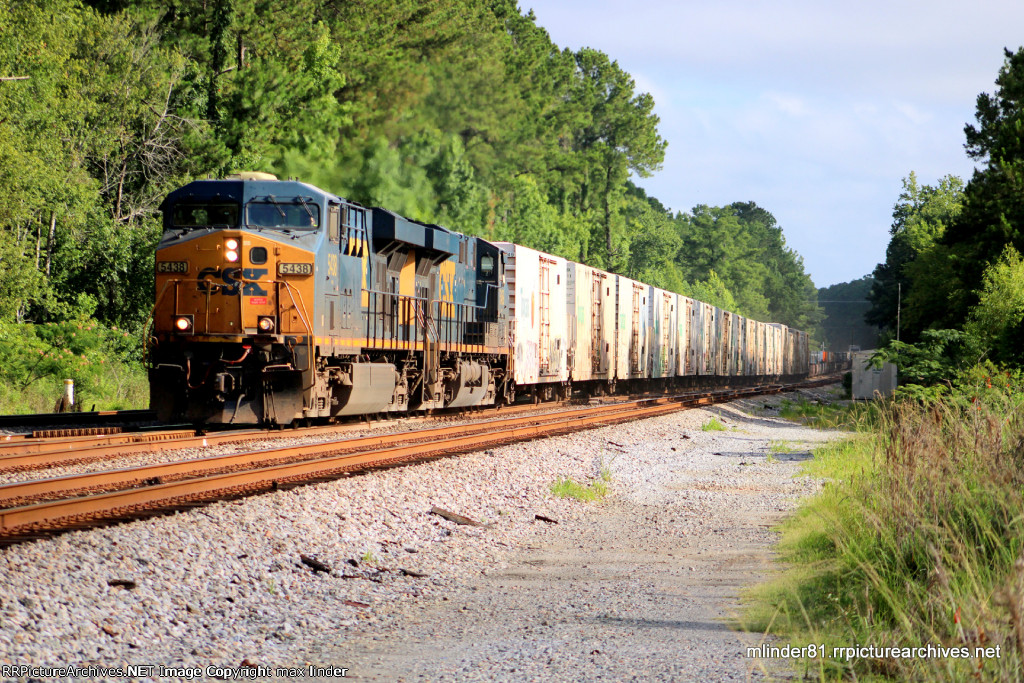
[[813, 110], [788, 104]]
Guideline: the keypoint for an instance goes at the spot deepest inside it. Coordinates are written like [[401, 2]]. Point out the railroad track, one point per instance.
[[71, 424], [20, 453], [56, 446], [39, 507]]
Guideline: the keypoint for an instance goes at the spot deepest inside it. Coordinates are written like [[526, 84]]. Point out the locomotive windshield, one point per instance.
[[283, 214], [204, 214]]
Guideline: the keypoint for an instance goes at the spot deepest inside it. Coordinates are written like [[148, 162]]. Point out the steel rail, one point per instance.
[[96, 417], [24, 445], [155, 497], [317, 463], [19, 453], [71, 484], [28, 454]]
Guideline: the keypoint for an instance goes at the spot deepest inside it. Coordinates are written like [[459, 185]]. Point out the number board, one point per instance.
[[172, 266], [295, 268]]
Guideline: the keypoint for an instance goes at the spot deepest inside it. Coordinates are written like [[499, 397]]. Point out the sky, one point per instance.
[[814, 110]]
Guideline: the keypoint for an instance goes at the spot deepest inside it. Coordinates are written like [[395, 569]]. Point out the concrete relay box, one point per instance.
[[869, 381]]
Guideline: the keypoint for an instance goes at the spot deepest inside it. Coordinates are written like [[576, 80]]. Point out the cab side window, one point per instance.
[[334, 224], [354, 221]]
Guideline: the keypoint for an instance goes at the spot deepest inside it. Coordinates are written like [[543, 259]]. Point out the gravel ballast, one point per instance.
[[633, 587]]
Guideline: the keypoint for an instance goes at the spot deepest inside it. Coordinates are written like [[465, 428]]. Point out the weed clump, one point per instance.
[[597, 489], [713, 425]]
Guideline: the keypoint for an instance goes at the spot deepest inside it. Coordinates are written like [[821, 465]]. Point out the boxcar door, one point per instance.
[[596, 322], [635, 342], [544, 352]]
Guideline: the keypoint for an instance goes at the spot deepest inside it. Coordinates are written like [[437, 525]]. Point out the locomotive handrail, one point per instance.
[[151, 320], [301, 309], [293, 294], [400, 301], [440, 327]]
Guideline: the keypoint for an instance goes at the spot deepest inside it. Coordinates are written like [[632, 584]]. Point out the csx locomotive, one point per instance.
[[279, 303]]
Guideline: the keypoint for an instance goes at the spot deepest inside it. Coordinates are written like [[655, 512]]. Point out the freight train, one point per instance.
[[279, 303]]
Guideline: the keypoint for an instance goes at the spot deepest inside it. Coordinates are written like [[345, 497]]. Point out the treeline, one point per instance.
[[953, 275], [455, 112], [845, 305]]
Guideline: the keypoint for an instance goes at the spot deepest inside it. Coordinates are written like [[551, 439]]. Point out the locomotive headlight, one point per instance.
[[231, 249], [266, 323], [183, 323]]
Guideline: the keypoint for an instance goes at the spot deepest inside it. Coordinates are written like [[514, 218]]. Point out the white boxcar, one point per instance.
[[736, 345], [758, 348], [801, 353], [773, 350], [537, 303], [686, 347], [590, 308], [779, 334], [662, 327], [751, 347], [723, 325], [707, 356], [631, 333]]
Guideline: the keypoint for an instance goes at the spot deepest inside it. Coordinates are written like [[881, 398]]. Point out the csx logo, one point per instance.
[[232, 277]]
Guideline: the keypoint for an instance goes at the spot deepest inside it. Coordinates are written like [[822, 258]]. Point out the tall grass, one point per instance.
[[828, 415], [915, 540]]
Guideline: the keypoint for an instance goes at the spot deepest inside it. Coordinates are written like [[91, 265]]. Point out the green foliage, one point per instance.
[[914, 539], [525, 217], [993, 212], [743, 244], [925, 368], [91, 142], [714, 239], [711, 291], [654, 247], [997, 322], [915, 276], [104, 362], [618, 135]]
